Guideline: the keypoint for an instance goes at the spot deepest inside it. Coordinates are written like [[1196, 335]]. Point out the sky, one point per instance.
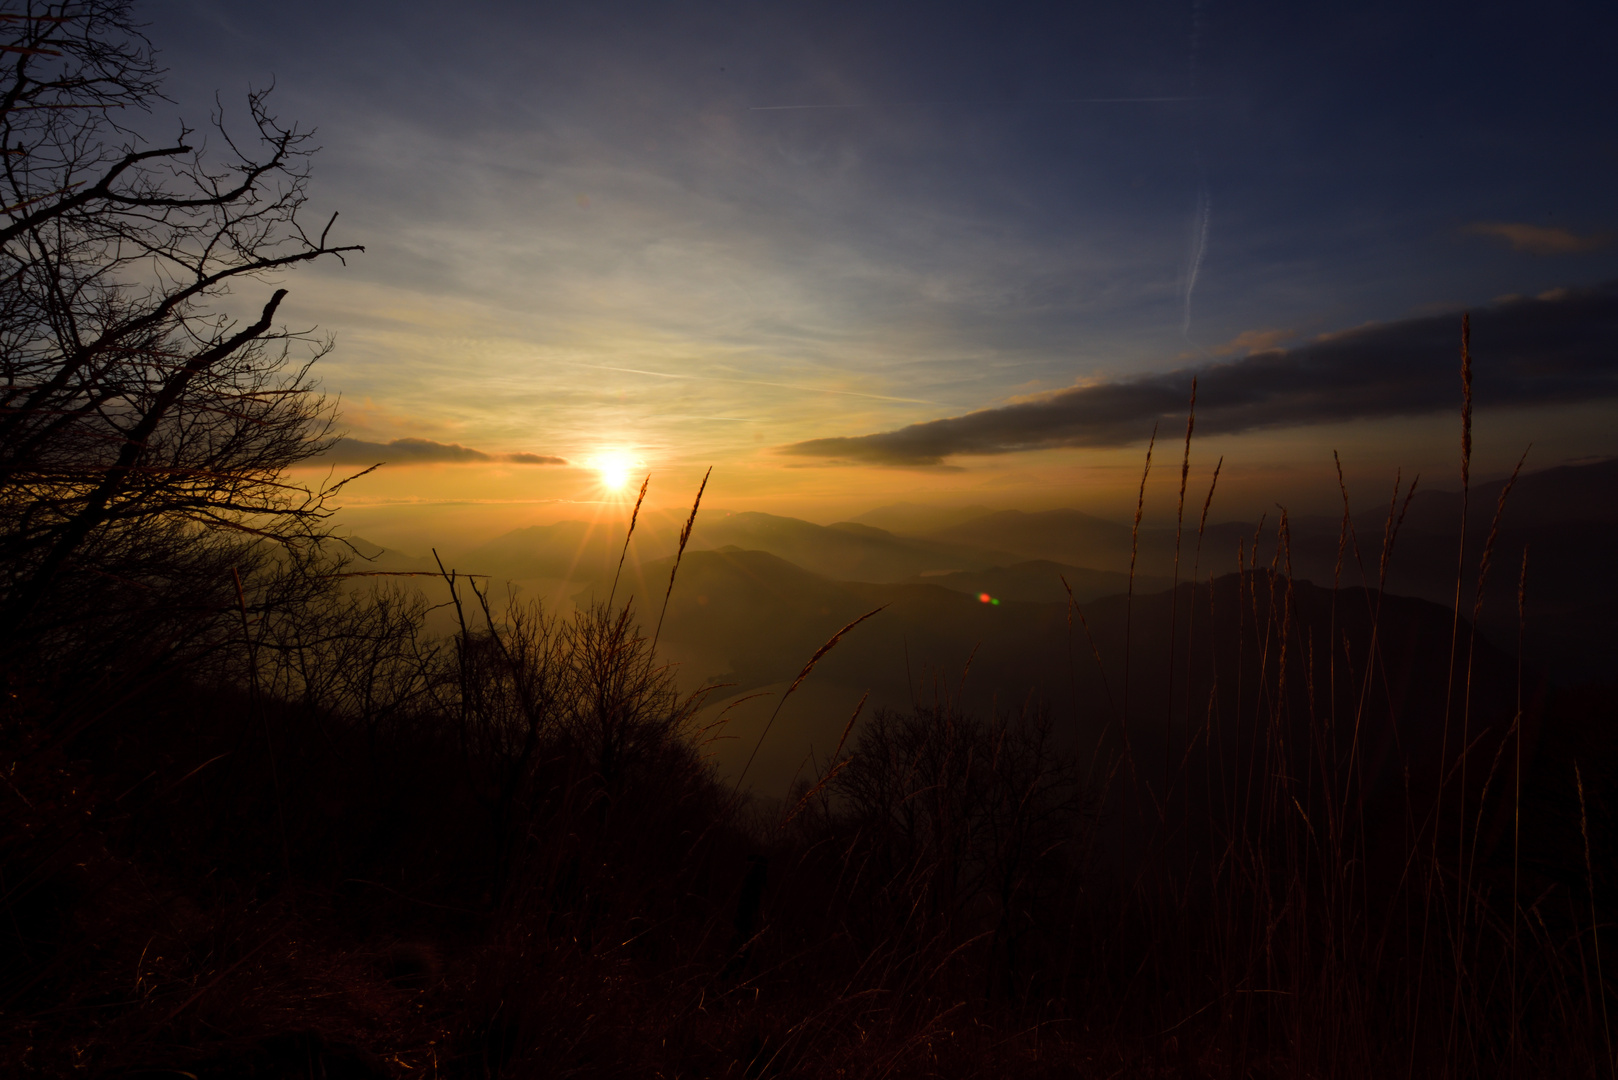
[[855, 254]]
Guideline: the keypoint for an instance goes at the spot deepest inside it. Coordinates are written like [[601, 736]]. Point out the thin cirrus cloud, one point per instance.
[[1556, 348], [347, 451], [1539, 239]]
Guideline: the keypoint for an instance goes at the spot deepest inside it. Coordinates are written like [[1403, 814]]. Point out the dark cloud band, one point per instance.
[[1556, 348], [346, 451]]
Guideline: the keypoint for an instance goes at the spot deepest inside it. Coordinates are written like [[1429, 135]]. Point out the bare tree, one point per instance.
[[145, 428]]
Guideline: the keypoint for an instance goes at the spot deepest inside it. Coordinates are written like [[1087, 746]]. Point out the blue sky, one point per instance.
[[700, 233]]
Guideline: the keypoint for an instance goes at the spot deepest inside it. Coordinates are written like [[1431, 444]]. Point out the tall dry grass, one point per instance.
[[1265, 925]]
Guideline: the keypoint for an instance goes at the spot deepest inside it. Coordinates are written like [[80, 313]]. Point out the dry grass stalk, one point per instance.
[[1174, 602], [802, 675], [1140, 506], [685, 535], [826, 648], [710, 732], [1391, 527], [633, 515], [1466, 399], [1134, 548], [1072, 608], [837, 764], [1595, 922], [1471, 653], [1516, 805], [1494, 532], [1346, 537], [1185, 460], [1191, 624], [1449, 688], [1202, 522]]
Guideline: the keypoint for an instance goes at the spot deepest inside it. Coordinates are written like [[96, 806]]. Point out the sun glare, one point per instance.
[[614, 467]]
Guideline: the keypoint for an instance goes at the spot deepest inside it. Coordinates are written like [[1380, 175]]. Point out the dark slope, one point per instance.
[[1566, 518], [1065, 536], [847, 550], [761, 618], [1040, 581]]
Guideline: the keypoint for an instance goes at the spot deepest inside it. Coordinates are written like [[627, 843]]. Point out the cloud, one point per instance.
[[1559, 347], [1539, 239], [347, 451], [1252, 341]]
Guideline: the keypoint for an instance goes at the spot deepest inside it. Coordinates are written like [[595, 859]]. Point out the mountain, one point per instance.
[[575, 550], [1040, 581], [916, 519], [848, 550], [1064, 536], [1564, 517], [586, 551], [748, 622], [365, 557], [1564, 495]]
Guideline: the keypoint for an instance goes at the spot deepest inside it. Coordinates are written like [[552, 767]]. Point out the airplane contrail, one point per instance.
[[998, 104], [1199, 225], [1199, 248]]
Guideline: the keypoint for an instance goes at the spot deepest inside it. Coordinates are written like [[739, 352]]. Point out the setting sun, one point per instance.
[[614, 466]]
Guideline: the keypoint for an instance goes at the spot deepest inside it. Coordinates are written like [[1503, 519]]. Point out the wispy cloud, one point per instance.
[[761, 382], [1539, 239], [348, 451], [1252, 341], [1556, 348]]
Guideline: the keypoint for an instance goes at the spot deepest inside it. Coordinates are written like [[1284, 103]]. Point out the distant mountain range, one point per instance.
[[757, 593]]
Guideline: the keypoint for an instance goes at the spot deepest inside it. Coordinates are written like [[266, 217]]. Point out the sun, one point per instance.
[[614, 467]]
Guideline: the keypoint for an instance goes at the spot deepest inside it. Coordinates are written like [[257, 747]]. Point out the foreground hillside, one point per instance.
[[1226, 839]]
